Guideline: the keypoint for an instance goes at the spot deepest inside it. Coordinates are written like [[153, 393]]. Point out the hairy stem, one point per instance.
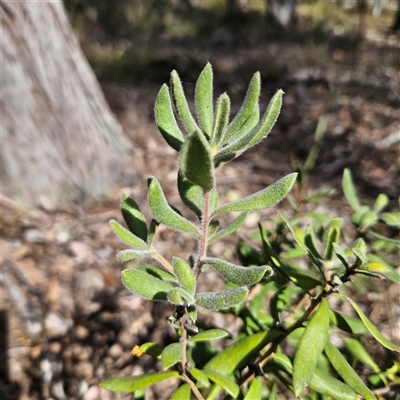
[[203, 233]]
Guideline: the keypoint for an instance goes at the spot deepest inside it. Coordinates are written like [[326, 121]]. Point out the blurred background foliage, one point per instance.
[[128, 41]]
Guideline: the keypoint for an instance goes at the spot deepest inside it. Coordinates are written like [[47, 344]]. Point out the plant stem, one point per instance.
[[203, 234]]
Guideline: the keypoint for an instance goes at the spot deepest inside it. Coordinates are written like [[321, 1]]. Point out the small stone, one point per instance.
[[55, 325], [81, 332], [115, 350], [34, 235], [84, 370], [55, 347], [80, 353]]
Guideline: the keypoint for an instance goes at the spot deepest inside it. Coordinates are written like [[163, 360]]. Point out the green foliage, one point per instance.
[[291, 280]]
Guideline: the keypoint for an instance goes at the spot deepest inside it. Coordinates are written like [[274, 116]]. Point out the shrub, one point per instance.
[[298, 268]]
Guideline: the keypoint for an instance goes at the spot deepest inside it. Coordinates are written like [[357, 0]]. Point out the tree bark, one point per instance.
[[59, 138]]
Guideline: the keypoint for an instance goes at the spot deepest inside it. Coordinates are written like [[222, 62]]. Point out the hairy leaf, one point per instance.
[[171, 355], [241, 276], [192, 195], [158, 272], [350, 191], [180, 296], [249, 104], [196, 161], [145, 285], [152, 349], [355, 347], [133, 217], [331, 235], [254, 391], [221, 119], [184, 274], [164, 213], [181, 104], [221, 300], [127, 255], [265, 198], [204, 100], [182, 393], [200, 377], [347, 324], [230, 228], [165, 119], [127, 236], [258, 133]]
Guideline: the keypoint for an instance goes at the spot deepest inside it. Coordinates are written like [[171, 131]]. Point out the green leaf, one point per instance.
[[367, 219], [212, 228], [165, 119], [355, 348], [254, 391], [340, 254], [372, 328], [227, 383], [152, 349], [180, 297], [241, 353], [158, 272], [204, 100], [200, 376], [241, 276], [350, 191], [347, 324], [249, 105], [133, 217], [221, 119], [171, 355], [181, 104], [145, 285], [211, 334], [127, 255], [126, 236], [182, 393], [381, 202], [347, 373], [331, 235], [221, 300], [375, 267], [192, 195], [259, 132], [152, 231], [265, 198], [321, 382], [230, 228], [250, 123], [130, 384], [310, 347], [196, 161], [184, 274], [163, 212], [391, 219]]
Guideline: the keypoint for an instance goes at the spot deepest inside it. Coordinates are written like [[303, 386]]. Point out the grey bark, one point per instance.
[[59, 138]]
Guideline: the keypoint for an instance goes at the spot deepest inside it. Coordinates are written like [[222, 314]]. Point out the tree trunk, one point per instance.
[[60, 141]]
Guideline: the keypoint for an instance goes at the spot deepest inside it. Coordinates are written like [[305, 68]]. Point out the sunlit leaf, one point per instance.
[[372, 328], [230, 228], [249, 104], [381, 202], [163, 212], [221, 300], [181, 104], [200, 377], [241, 276], [152, 349], [391, 219], [310, 347], [227, 383], [127, 236], [130, 384], [347, 373], [145, 285], [241, 353], [165, 119], [196, 161], [171, 355], [265, 198], [182, 393], [127, 255], [258, 133], [211, 334], [254, 391], [184, 274], [331, 235], [204, 100], [221, 119]]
